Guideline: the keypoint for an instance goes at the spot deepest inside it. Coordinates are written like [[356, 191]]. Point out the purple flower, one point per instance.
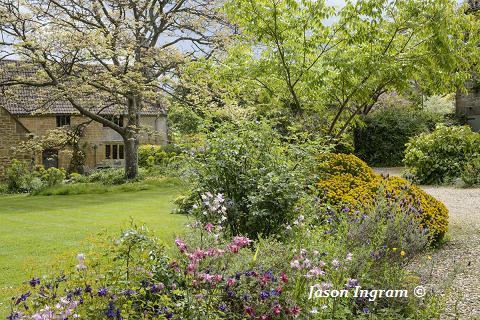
[[34, 282], [222, 307], [23, 298], [102, 292], [14, 316], [366, 310], [352, 283], [264, 295], [129, 292], [157, 287], [88, 289]]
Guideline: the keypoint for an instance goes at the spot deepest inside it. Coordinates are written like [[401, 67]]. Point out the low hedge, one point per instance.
[[382, 138], [441, 156], [349, 183]]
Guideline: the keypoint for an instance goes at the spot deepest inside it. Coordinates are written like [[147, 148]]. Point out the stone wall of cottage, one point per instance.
[[468, 105], [95, 138], [11, 133]]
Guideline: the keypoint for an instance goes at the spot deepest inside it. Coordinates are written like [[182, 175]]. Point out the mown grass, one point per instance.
[[35, 231]]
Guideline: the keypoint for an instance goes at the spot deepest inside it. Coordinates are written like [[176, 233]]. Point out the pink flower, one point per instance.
[[284, 277], [181, 245], [197, 255], [277, 309], [241, 241], [209, 227], [231, 282], [207, 277], [233, 248], [295, 311], [191, 267]]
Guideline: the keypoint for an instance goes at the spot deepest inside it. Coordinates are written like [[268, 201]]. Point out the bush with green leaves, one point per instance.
[[381, 140], [21, 179], [247, 170], [151, 155], [441, 156], [470, 174]]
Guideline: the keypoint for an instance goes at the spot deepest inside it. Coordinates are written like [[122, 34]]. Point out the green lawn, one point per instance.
[[36, 230]]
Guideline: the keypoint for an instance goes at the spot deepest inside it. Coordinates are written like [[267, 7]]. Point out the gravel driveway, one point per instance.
[[456, 264], [455, 267]]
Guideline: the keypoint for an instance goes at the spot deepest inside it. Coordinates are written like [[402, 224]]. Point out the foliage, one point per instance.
[[381, 140], [66, 139], [21, 179], [440, 156], [215, 277], [440, 104], [470, 174], [318, 67], [110, 176], [361, 188], [246, 173], [150, 183], [150, 155]]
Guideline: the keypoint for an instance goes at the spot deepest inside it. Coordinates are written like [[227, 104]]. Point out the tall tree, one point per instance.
[[99, 53], [308, 57]]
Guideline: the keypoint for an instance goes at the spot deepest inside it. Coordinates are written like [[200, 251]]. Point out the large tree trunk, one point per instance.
[[131, 156]]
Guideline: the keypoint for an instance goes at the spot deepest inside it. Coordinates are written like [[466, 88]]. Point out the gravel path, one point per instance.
[[454, 269], [455, 266]]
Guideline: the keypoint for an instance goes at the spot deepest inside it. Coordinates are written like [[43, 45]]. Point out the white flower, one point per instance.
[[314, 310]]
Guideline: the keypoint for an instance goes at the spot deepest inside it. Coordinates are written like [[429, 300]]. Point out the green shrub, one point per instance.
[[110, 176], [441, 156], [247, 171], [150, 155], [470, 174], [381, 140], [53, 176], [21, 179], [18, 177]]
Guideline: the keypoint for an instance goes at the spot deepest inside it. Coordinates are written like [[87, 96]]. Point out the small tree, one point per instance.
[[120, 52], [309, 58]]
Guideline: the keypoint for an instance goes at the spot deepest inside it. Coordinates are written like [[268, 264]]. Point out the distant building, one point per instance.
[[28, 110], [468, 103]]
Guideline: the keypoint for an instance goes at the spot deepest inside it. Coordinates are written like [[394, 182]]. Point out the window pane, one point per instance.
[[107, 151], [115, 151], [120, 152]]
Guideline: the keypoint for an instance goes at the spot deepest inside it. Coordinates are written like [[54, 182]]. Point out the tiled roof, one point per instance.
[[24, 100], [474, 4]]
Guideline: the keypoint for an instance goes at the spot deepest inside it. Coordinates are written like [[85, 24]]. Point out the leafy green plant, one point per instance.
[[470, 174], [440, 156], [150, 155], [249, 168], [381, 140]]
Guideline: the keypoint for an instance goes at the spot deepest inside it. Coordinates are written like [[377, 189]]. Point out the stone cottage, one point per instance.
[[12, 132], [27, 111], [468, 103]]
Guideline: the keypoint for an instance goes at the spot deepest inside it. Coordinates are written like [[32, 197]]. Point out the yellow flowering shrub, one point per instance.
[[335, 164], [348, 181], [434, 214], [346, 189]]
